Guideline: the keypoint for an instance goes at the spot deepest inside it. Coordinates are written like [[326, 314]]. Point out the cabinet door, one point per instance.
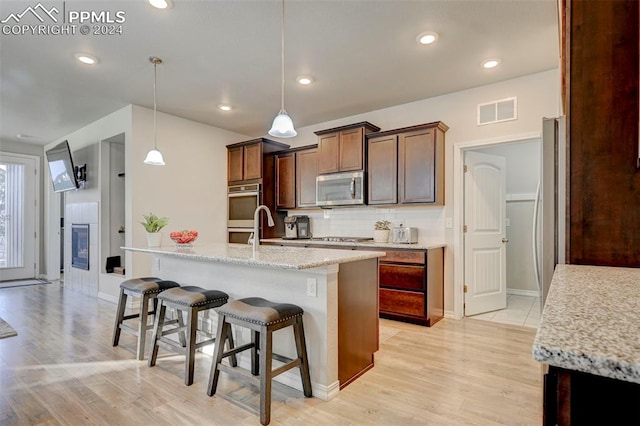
[[328, 149], [351, 150], [253, 161], [235, 164], [286, 181], [417, 174], [306, 173], [382, 165]]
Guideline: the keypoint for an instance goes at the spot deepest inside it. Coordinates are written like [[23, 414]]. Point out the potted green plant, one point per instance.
[[153, 224], [381, 231]]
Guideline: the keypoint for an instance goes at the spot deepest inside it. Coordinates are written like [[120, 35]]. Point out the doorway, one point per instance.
[[514, 231], [18, 216]]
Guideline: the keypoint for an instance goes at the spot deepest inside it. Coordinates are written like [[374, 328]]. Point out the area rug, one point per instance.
[[22, 283], [6, 330]]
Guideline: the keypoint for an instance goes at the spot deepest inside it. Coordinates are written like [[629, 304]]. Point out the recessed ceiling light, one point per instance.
[[86, 59], [427, 37], [224, 107], [491, 63], [23, 136], [304, 80], [161, 4]]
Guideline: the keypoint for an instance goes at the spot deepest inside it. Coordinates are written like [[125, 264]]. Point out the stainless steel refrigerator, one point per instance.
[[550, 205]]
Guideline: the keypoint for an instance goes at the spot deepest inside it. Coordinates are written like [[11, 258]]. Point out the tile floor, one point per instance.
[[521, 310]]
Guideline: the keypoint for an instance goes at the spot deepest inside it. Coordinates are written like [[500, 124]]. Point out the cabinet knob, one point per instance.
[[505, 240]]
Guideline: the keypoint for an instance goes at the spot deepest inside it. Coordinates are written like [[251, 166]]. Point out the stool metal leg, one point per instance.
[[301, 346], [192, 320], [157, 333], [122, 303], [265, 375]]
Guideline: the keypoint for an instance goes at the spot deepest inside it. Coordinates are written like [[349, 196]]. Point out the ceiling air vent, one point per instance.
[[498, 111]]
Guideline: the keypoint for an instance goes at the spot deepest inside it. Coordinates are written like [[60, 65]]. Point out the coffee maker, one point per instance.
[[297, 227]]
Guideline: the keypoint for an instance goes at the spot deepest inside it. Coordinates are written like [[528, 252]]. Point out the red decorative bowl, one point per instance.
[[184, 237]]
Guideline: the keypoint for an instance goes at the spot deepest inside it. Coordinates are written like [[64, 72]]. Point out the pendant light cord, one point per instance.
[[155, 128], [282, 56]]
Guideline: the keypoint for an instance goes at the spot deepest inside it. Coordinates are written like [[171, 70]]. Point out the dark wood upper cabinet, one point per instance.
[[235, 164], [342, 148], [253, 161], [245, 159], [382, 166], [286, 181], [416, 173], [351, 149], [417, 182], [328, 153], [306, 173]]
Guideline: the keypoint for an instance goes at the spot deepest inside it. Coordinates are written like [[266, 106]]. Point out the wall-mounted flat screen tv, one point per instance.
[[63, 173]]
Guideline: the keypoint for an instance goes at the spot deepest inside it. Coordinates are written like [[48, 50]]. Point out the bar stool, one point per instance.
[[146, 288], [193, 300], [262, 317]]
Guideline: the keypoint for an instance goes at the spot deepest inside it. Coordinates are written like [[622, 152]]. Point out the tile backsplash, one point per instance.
[[359, 221]]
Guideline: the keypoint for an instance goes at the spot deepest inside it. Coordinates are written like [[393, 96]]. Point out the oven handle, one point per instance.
[[243, 194], [352, 187]]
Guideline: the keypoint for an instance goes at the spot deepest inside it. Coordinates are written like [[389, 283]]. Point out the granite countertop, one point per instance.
[[359, 245], [591, 322], [266, 256]]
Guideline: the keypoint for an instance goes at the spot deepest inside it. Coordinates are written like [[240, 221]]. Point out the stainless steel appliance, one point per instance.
[[404, 235], [297, 227], [548, 233], [340, 189], [241, 204]]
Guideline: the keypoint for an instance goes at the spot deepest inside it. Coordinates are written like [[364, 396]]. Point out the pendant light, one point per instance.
[[282, 126], [154, 157]]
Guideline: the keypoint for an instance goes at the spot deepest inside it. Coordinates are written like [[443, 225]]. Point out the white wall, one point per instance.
[[538, 96], [190, 189]]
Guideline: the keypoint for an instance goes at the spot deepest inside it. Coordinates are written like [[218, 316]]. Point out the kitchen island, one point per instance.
[[589, 336], [337, 289]]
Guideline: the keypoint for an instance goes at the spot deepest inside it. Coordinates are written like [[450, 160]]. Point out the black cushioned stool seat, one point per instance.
[[262, 317], [193, 300], [146, 288]]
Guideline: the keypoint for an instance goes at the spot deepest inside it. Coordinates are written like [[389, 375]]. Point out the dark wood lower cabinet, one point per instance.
[[575, 398], [412, 285]]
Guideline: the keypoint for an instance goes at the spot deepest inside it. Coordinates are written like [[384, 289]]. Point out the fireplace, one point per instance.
[[80, 246]]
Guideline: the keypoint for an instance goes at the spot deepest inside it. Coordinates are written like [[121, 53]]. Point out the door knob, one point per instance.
[[505, 240]]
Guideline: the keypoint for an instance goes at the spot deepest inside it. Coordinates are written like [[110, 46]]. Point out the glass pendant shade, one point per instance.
[[283, 126], [154, 157]]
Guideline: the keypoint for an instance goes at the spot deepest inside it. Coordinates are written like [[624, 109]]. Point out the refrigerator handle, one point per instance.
[[534, 238]]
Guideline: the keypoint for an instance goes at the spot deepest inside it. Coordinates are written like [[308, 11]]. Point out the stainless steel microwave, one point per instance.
[[340, 189], [242, 201]]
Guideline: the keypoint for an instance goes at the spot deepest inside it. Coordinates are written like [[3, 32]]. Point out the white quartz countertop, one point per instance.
[[265, 256], [363, 245], [591, 322]]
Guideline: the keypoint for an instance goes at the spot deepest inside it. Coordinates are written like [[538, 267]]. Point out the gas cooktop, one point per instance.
[[342, 239]]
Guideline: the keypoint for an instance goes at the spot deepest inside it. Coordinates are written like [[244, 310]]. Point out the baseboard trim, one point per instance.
[[108, 297], [518, 292], [450, 315]]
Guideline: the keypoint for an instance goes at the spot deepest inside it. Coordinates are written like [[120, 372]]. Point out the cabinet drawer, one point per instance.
[[402, 302], [404, 256], [410, 277]]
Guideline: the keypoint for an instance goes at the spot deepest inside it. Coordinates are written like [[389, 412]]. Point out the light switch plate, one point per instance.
[[448, 223], [327, 214]]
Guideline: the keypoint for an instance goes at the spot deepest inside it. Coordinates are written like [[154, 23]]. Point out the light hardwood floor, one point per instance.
[[62, 369]]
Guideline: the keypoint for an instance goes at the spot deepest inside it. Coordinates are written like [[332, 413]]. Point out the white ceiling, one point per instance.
[[362, 54]]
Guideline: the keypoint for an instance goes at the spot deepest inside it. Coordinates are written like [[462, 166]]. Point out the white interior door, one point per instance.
[[485, 239], [18, 206]]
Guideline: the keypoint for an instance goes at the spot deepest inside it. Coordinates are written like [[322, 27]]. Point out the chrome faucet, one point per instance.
[[256, 224]]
